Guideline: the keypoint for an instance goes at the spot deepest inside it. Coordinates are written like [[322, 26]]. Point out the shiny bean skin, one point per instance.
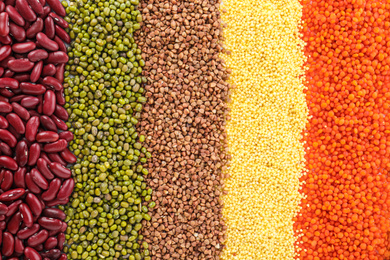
[[7, 39], [8, 162], [8, 244], [4, 20], [57, 57], [34, 204], [59, 170], [60, 73], [20, 65], [59, 20], [43, 168], [27, 215], [49, 70], [35, 28], [8, 180], [40, 105], [29, 102], [17, 32], [24, 47], [50, 223], [61, 44], [49, 103], [35, 151], [46, 11], [47, 43], [9, 83], [60, 97], [5, 51], [5, 107], [21, 152], [13, 207], [37, 71], [3, 123], [38, 248], [57, 202], [14, 15], [7, 137], [20, 111], [31, 184], [32, 89], [18, 98], [59, 123], [2, 6], [16, 122], [62, 34], [50, 243], [32, 128], [66, 189], [61, 241], [51, 193], [48, 123], [68, 156], [14, 223], [19, 246], [1, 71], [32, 254], [53, 83], [50, 30], [3, 209], [39, 180], [12, 195], [54, 213], [47, 137], [57, 7], [55, 147], [5, 149], [25, 11], [52, 254], [27, 232], [19, 177], [38, 238], [8, 74], [63, 257], [22, 77], [38, 55], [61, 113], [12, 130], [36, 6]]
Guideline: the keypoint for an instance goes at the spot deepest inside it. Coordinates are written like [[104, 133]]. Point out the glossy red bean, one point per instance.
[[59, 20], [60, 73], [48, 123], [17, 32], [50, 243], [27, 232], [20, 111], [22, 77], [52, 254], [18, 98], [55, 157], [34, 153], [8, 244], [39, 179], [61, 44], [53, 83], [14, 223], [19, 177], [46, 11], [34, 204], [54, 213], [61, 240], [3, 123], [59, 123], [68, 156], [62, 34], [32, 89], [31, 184], [5, 149], [13, 207], [35, 28], [6, 39], [57, 202], [12, 130], [29, 102], [7, 137], [32, 254], [8, 180], [36, 72], [5, 51], [8, 74], [40, 105], [12, 195], [36, 6], [49, 103], [21, 152], [32, 128], [50, 30], [38, 238], [38, 248], [14, 15], [20, 65], [61, 113], [26, 215], [8, 83], [8, 163], [43, 168], [3, 209], [46, 42], [16, 122], [59, 170], [63, 257], [66, 189], [25, 11], [19, 246], [47, 137], [38, 55], [1, 71], [60, 97], [5, 107], [48, 70], [57, 7], [4, 21], [50, 223], [24, 47], [51, 193], [55, 147], [57, 57], [2, 6]]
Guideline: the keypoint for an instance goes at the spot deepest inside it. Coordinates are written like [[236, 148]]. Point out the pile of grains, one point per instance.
[[184, 119], [267, 115], [346, 213]]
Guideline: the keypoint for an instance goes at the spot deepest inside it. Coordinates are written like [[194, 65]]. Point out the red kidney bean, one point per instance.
[[16, 122], [55, 157], [37, 55], [39, 180], [36, 6], [25, 11], [34, 204], [24, 47], [50, 223], [59, 123], [52, 82], [14, 223], [34, 153], [3, 123], [66, 189], [20, 111], [50, 243], [51, 193], [55, 147], [12, 130], [5, 107], [43, 168], [19, 177], [19, 246], [61, 113], [33, 113], [43, 2], [4, 21], [61, 44], [54, 213], [59, 170], [40, 105], [8, 162], [63, 257], [46, 43], [8, 74], [38, 238], [61, 240], [17, 32], [9, 83], [48, 70], [49, 103], [50, 30], [47, 137], [59, 20], [68, 156], [52, 254], [37, 71], [26, 215], [18, 98], [48, 123], [62, 34], [20, 65], [60, 73], [22, 77], [7, 181], [57, 57], [3, 209], [8, 244], [6, 39], [2, 6], [60, 97], [29, 102], [32, 89], [12, 195], [5, 51], [57, 7], [32, 128], [5, 149], [27, 232], [13, 207], [21, 152], [31, 184], [46, 11], [32, 254], [35, 28], [7, 137], [4, 63], [57, 202], [14, 15], [1, 71]]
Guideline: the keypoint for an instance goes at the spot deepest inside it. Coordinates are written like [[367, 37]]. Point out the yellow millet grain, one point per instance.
[[267, 117]]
